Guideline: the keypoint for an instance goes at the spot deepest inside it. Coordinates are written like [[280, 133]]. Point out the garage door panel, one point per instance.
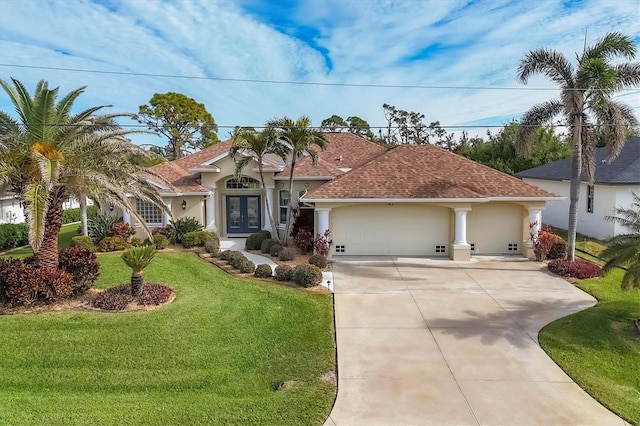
[[493, 227], [390, 230]]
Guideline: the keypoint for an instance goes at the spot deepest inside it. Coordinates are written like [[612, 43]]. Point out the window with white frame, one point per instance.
[[151, 213], [244, 182], [283, 204]]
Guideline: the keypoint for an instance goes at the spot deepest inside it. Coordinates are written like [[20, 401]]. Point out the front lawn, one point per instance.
[[599, 347], [226, 351], [67, 232]]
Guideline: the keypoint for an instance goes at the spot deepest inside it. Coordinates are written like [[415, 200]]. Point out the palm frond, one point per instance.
[[537, 116], [549, 62], [611, 45], [628, 75], [36, 199]]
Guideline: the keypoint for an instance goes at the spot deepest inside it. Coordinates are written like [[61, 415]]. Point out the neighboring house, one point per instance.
[[410, 200], [613, 185], [11, 210]]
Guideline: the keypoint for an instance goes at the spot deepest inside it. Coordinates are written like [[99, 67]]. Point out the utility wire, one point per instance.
[[394, 127], [285, 82]]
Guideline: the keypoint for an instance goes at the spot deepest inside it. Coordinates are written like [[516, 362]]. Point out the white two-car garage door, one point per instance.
[[391, 230]]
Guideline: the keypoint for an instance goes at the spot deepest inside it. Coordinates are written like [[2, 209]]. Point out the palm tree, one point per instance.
[[585, 103], [248, 145], [138, 258], [50, 153], [301, 138]]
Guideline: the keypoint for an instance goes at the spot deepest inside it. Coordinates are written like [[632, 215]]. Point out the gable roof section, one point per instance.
[[344, 151], [624, 170], [424, 172]]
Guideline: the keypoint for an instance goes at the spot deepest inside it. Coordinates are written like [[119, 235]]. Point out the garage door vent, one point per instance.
[[339, 249], [512, 247], [473, 247], [441, 249]]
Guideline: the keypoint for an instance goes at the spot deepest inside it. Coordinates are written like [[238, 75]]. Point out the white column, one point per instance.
[[211, 210], [461, 227], [126, 216], [535, 218], [268, 193], [323, 219], [166, 217]]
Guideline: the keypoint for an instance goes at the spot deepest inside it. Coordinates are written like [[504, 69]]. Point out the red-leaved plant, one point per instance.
[[322, 243], [543, 241]]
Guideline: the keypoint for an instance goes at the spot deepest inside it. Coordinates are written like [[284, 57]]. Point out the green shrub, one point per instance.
[[319, 260], [198, 238], [137, 242], [100, 226], [307, 275], [122, 230], [212, 245], [160, 241], [236, 258], [112, 244], [182, 226], [266, 245], [13, 235], [245, 266], [287, 253], [283, 273], [82, 264], [82, 241], [558, 249], [263, 271], [73, 215], [275, 249], [254, 241]]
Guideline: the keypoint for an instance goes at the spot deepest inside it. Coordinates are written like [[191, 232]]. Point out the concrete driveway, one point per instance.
[[423, 341]]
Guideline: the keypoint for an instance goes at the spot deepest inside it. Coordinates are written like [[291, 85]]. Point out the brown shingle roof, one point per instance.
[[424, 172]]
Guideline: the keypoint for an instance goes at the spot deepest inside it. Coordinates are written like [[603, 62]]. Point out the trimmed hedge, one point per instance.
[[266, 245], [83, 266], [199, 238], [579, 268], [112, 244], [73, 215], [13, 235], [558, 249], [318, 260], [254, 241], [160, 241], [82, 241], [287, 253], [263, 271], [307, 275], [284, 272], [275, 250]]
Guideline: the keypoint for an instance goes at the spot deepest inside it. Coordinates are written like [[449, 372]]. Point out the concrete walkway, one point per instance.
[[424, 341]]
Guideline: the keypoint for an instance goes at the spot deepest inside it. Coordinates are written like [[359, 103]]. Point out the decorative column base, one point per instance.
[[461, 253]]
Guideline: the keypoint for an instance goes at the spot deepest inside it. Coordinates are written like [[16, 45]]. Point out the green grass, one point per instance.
[[67, 232], [588, 244], [213, 356], [599, 347]]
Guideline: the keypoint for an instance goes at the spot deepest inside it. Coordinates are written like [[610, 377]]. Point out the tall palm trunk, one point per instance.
[[47, 255], [574, 188], [266, 202], [83, 215], [137, 284], [290, 206]]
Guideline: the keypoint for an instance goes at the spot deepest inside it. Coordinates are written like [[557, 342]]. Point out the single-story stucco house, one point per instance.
[[409, 200], [614, 183]]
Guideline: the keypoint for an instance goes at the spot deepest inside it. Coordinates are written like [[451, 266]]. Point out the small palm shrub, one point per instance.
[[263, 271], [275, 249], [307, 275], [287, 253], [13, 235], [99, 226], [283, 272], [83, 266], [319, 260], [82, 241], [112, 244], [254, 241], [182, 226], [138, 258], [579, 268], [159, 241], [266, 245]]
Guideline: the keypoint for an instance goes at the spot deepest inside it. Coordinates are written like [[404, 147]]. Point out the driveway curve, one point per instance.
[[425, 342]]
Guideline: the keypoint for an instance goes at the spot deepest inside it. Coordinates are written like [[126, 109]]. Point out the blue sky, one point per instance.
[[440, 43]]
